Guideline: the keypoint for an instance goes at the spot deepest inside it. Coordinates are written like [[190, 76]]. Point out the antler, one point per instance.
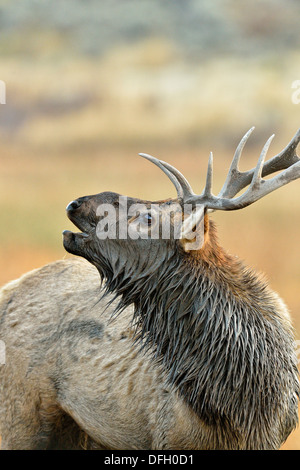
[[183, 188], [287, 160]]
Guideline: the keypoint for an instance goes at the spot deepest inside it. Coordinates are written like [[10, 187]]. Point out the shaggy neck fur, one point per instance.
[[214, 326]]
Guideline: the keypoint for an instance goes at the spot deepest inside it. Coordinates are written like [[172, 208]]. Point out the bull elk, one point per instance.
[[180, 348]]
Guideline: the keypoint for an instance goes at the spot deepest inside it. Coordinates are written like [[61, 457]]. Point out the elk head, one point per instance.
[[129, 220], [141, 236]]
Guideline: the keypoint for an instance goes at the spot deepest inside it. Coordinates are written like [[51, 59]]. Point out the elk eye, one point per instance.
[[148, 219]]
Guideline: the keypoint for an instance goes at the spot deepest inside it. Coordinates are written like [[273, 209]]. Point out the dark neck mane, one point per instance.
[[213, 325]]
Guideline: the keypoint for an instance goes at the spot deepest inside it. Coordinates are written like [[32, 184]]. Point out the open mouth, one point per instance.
[[74, 235], [74, 241]]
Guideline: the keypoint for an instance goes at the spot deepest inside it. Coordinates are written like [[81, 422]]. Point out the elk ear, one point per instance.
[[193, 229]]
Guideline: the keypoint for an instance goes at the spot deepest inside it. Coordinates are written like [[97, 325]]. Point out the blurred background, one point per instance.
[[91, 84]]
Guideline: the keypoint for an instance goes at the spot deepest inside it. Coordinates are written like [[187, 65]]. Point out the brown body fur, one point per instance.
[[80, 365]]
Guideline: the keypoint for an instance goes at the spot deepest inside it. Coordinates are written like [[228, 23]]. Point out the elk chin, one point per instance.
[[74, 243]]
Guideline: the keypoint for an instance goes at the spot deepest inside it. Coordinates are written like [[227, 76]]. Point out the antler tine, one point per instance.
[[259, 167], [281, 161], [185, 185], [287, 160], [259, 187], [169, 175], [253, 191], [181, 184], [232, 183], [207, 192]]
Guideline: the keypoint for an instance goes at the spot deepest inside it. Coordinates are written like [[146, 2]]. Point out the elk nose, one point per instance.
[[73, 205]]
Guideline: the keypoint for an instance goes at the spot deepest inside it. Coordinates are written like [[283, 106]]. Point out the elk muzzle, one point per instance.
[[81, 212]]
